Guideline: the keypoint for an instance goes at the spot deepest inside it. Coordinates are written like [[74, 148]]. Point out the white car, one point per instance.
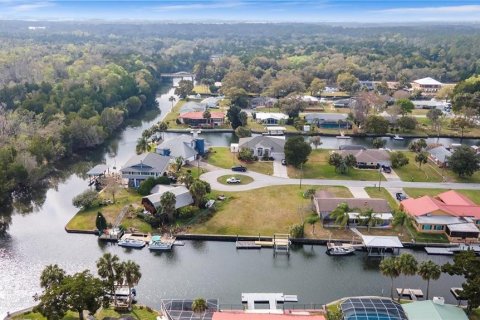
[[233, 180]]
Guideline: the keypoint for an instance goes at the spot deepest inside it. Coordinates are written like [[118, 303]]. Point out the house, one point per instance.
[[369, 85], [449, 212], [243, 315], [351, 147], [433, 310], [431, 104], [183, 197], [344, 103], [310, 100], [324, 203], [262, 102], [141, 167], [192, 106], [440, 156], [369, 158], [197, 119], [184, 146], [263, 146], [328, 120], [427, 85], [270, 117], [211, 102]]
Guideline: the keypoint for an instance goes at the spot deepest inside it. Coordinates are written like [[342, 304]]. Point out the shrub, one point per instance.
[[296, 230], [398, 159], [147, 185], [245, 154], [86, 200], [309, 193], [243, 132], [187, 212], [199, 305]]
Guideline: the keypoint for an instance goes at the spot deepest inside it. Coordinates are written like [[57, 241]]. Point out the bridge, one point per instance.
[[181, 74]]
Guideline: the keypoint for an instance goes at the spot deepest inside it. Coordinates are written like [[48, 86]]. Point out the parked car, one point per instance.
[[400, 196], [387, 169], [284, 162], [232, 180], [239, 168]]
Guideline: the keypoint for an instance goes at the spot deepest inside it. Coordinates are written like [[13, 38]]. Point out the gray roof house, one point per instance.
[[211, 102], [328, 120], [180, 146], [192, 106], [440, 155], [263, 145], [369, 157], [183, 197], [141, 167]]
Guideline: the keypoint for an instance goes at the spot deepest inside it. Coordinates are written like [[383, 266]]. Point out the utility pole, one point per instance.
[[379, 177], [301, 174]]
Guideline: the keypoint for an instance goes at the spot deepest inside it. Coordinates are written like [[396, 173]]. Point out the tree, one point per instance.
[[376, 124], [466, 264], [348, 82], [436, 117], [340, 214], [52, 276], [243, 132], [110, 270], [132, 275], [335, 159], [86, 200], [444, 93], [421, 158], [167, 203], [406, 106], [297, 230], [464, 162], [233, 115], [311, 220], [187, 179], [207, 115], [199, 305], [316, 87], [198, 189], [408, 267], [407, 123], [400, 219], [429, 270], [369, 218], [185, 87], [389, 267], [292, 105], [84, 292], [342, 164], [178, 163], [461, 123], [172, 99], [142, 145], [245, 154], [379, 143], [297, 151], [112, 186], [133, 104], [417, 145], [316, 141], [100, 222]]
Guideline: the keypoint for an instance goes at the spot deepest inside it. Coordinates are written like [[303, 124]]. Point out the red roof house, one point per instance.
[[196, 118]]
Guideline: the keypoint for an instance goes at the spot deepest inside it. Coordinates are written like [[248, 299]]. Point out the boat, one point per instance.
[[397, 137], [156, 244], [340, 251], [343, 136], [131, 243]]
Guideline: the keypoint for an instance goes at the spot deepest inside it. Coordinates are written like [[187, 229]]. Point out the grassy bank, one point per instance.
[[138, 312], [317, 167], [262, 211], [223, 158]]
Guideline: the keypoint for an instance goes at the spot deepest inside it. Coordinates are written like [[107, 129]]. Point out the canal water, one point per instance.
[[36, 238]]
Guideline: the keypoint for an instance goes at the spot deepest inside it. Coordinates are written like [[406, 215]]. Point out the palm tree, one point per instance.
[[178, 163], [401, 219], [421, 158], [207, 115], [312, 219], [132, 275], [429, 270], [167, 202], [369, 218], [52, 275], [199, 305], [109, 269], [389, 267], [172, 99], [340, 214], [142, 145], [408, 266]]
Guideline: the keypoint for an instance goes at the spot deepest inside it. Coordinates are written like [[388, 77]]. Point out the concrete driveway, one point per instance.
[[393, 176], [358, 192], [279, 170]]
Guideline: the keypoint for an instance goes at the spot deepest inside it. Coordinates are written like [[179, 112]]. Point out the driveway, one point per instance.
[[358, 192], [393, 176], [279, 170]]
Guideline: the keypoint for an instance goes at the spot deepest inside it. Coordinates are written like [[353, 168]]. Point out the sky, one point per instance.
[[369, 11]]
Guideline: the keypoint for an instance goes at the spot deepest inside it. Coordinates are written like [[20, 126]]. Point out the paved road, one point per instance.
[[261, 180]]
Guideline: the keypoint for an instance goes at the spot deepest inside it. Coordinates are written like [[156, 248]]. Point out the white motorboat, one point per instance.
[[343, 136], [340, 251], [131, 243], [397, 137], [156, 244]]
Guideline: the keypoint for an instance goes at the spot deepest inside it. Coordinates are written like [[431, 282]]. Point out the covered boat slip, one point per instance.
[[379, 246]]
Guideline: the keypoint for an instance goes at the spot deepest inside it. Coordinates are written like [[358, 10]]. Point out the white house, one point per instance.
[[270, 117], [427, 85], [141, 167]]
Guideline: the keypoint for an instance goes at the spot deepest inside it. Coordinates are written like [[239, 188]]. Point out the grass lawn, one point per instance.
[[255, 126], [262, 211], [223, 158], [85, 219], [473, 195], [201, 89], [317, 167], [411, 172], [37, 316], [138, 312], [172, 116], [383, 194], [243, 179], [475, 314]]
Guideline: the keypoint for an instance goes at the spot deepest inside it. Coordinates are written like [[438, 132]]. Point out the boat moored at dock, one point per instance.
[[131, 243], [159, 244]]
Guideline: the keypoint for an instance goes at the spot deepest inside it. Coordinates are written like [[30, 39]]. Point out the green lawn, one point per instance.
[[475, 315], [201, 89], [317, 167], [85, 219], [382, 194], [243, 179], [223, 158], [172, 116], [473, 195], [261, 211], [138, 312]]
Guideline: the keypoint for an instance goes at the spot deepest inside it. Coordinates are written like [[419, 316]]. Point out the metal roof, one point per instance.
[[428, 81], [183, 197], [463, 227], [381, 242], [421, 310], [99, 169], [372, 308]]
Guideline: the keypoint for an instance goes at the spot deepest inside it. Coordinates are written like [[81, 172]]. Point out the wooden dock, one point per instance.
[[247, 245], [412, 294], [281, 244], [439, 251], [138, 236]]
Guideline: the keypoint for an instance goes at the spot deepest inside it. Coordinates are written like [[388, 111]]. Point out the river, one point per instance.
[[36, 238]]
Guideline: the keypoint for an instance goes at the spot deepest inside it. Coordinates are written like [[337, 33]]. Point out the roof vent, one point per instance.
[[439, 300]]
